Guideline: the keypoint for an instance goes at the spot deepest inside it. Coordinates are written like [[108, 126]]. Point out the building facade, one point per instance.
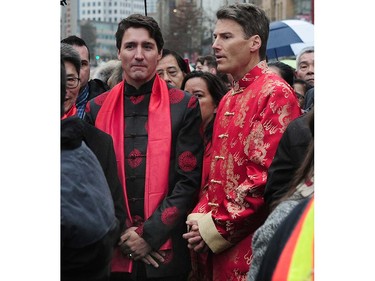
[[103, 16], [109, 10], [175, 17], [277, 10]]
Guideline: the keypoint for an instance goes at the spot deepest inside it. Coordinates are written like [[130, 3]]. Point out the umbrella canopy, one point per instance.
[[288, 37]]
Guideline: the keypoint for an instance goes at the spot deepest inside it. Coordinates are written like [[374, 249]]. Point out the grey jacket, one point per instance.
[[263, 234]]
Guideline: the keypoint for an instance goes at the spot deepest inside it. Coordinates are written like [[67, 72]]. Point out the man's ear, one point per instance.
[[255, 43]]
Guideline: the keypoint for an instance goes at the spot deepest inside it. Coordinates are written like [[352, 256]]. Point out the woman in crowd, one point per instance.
[[209, 89]]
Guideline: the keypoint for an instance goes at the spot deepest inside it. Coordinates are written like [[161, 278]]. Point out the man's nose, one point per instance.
[[167, 78], [139, 53], [214, 44], [164, 75]]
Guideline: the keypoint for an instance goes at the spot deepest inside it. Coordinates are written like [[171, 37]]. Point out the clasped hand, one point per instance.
[[134, 246], [194, 238]]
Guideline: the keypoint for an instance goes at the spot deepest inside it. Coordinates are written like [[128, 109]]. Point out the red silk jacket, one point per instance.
[[249, 123]]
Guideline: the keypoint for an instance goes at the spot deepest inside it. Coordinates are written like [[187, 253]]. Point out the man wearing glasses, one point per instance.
[[72, 79], [88, 89], [101, 144]]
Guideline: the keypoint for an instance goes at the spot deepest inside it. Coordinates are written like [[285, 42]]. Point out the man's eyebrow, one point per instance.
[[129, 42], [141, 43], [304, 62], [226, 33]]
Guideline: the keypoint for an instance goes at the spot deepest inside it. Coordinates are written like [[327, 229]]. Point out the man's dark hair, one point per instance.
[[182, 64], [75, 40], [211, 61], [140, 21], [286, 71], [200, 59], [252, 19]]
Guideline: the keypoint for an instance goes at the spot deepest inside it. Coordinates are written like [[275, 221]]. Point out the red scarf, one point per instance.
[[71, 112], [110, 119]]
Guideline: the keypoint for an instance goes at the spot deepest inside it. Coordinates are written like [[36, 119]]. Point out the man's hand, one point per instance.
[[194, 239], [153, 258], [136, 248]]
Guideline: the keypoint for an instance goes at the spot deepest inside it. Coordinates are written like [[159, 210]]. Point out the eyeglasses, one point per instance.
[[72, 82]]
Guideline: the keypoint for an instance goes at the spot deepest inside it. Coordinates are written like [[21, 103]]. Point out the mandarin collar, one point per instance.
[[146, 88], [250, 77]]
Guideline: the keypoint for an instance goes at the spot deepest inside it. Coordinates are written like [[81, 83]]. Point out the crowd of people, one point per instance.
[[170, 173]]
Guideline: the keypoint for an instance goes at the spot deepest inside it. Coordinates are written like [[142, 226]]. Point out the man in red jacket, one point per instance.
[[250, 121]]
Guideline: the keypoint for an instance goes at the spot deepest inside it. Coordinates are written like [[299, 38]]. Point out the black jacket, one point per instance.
[[309, 100], [290, 153], [89, 227], [96, 87], [102, 145]]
